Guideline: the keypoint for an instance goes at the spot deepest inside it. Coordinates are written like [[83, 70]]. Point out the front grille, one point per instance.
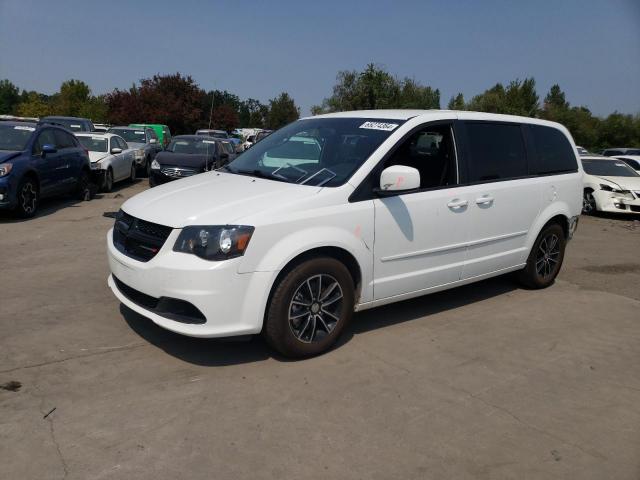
[[171, 308], [178, 172], [137, 238]]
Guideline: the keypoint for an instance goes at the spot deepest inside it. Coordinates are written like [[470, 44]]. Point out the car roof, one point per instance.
[[57, 117], [402, 114], [15, 123], [632, 157], [597, 157], [195, 137], [96, 134]]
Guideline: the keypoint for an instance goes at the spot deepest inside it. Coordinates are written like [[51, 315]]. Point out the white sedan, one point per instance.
[[632, 160], [610, 185], [111, 158]]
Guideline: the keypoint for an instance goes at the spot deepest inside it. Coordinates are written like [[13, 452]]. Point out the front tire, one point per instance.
[[107, 184], [545, 258], [589, 205], [310, 307], [132, 174], [28, 198]]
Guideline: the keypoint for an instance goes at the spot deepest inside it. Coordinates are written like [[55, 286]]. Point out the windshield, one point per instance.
[[608, 168], [316, 151], [15, 137], [133, 135], [94, 144], [192, 146]]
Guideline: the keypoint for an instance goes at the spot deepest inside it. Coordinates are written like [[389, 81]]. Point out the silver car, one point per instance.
[[111, 158]]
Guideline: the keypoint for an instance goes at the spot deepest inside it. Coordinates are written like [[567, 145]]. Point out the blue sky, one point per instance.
[[259, 49]]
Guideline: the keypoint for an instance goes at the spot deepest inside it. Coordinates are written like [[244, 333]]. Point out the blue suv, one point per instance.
[[39, 161]]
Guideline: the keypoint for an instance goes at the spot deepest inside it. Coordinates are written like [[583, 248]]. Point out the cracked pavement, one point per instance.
[[485, 381]]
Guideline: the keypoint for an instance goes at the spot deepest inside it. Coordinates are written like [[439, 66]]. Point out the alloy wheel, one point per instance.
[[548, 255], [28, 198], [315, 309]]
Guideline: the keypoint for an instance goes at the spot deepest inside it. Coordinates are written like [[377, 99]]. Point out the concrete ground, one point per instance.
[[485, 381]]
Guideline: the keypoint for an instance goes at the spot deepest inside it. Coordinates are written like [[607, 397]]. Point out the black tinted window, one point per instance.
[[64, 140], [554, 152], [497, 151], [46, 137]]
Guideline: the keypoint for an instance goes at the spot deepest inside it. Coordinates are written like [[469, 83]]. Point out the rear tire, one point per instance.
[[545, 258], [310, 307], [83, 191], [28, 198]]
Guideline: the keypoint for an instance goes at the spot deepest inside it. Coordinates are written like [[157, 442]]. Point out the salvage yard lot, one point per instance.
[[483, 381]]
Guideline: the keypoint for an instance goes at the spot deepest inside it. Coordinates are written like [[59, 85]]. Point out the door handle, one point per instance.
[[458, 203], [484, 200]]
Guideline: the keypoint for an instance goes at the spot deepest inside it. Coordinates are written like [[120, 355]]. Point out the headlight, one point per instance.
[[5, 168], [138, 154], [626, 194], [217, 242], [155, 165]]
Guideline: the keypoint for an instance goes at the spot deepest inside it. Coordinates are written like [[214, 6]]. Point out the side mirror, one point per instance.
[[153, 140], [116, 150], [398, 179], [48, 148]]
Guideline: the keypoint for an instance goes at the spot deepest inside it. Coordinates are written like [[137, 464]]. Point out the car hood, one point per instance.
[[95, 156], [182, 159], [625, 183], [213, 198], [8, 155]]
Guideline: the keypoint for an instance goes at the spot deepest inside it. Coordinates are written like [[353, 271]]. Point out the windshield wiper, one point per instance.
[[257, 173]]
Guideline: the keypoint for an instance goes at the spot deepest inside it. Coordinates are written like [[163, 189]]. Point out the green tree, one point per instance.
[[33, 105], [9, 97], [282, 111], [457, 102], [72, 98], [375, 88]]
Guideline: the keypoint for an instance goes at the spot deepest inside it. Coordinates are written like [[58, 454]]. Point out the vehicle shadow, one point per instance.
[[221, 352]]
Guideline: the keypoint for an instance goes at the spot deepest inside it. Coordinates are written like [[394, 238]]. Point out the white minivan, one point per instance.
[[375, 207]]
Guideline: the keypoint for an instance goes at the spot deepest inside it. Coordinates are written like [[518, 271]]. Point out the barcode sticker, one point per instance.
[[387, 127]]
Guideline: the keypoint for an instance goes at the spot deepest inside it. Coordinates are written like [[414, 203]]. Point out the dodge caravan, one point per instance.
[[342, 212]]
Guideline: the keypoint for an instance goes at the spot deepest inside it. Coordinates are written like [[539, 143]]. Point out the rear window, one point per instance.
[[497, 151], [554, 152], [94, 144]]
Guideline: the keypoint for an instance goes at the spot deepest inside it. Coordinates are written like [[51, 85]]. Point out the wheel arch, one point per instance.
[[32, 174]]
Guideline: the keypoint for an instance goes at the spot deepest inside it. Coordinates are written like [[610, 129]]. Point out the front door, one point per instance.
[[420, 236]]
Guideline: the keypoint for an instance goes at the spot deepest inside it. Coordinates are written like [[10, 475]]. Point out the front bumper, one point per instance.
[[230, 302], [156, 177], [609, 202], [7, 192]]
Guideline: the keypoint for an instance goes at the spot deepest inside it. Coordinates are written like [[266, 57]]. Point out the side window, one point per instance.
[[151, 134], [63, 140], [632, 163], [497, 151], [554, 152], [121, 143], [46, 137], [431, 151]]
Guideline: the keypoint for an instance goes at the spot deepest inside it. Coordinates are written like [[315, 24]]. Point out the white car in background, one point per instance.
[[610, 185], [111, 158], [632, 160]]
